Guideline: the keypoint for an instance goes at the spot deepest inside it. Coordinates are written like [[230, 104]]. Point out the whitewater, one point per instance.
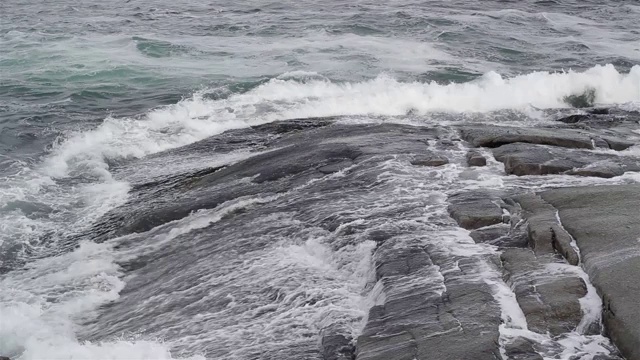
[[119, 99]]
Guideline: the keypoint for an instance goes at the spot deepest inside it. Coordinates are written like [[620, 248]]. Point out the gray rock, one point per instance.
[[549, 303], [490, 234], [335, 167], [495, 136], [422, 319], [546, 234], [527, 159], [521, 349], [473, 210], [336, 344], [291, 158], [605, 222], [429, 160], [475, 158]]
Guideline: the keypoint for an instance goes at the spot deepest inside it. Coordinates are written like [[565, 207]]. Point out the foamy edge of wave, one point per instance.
[[288, 97]]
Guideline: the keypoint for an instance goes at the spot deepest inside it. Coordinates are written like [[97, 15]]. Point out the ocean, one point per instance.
[[98, 98]]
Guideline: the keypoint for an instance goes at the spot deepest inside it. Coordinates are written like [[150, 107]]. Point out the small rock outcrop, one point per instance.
[[429, 160], [475, 158], [532, 159], [473, 210], [495, 136]]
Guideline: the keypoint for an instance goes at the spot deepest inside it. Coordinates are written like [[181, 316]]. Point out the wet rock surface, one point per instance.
[[475, 158], [427, 314], [510, 284], [529, 159], [429, 160], [494, 136], [606, 228], [476, 209]]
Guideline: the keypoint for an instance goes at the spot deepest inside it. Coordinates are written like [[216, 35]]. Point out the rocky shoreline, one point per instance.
[[529, 266]]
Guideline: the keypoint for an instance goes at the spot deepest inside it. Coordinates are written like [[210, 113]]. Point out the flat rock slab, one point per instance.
[[529, 159], [476, 209], [605, 222], [495, 136]]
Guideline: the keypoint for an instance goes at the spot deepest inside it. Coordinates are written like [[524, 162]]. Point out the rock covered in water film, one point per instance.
[[475, 158]]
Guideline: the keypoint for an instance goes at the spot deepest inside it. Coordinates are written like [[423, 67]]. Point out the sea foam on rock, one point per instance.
[[606, 225], [509, 284]]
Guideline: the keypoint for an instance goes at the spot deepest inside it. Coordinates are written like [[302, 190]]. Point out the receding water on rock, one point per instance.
[[319, 181]]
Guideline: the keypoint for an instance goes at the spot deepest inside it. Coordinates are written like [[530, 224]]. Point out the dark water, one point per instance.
[[87, 88]]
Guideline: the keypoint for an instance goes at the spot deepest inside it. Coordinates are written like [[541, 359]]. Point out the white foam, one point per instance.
[[303, 94], [87, 277], [40, 305]]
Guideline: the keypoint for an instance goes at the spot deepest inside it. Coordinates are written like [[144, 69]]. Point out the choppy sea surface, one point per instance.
[[88, 86]]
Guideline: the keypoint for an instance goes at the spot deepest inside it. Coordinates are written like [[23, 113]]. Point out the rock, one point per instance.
[[573, 119], [473, 210], [550, 303], [426, 314], [605, 222], [490, 234], [429, 160], [335, 167], [618, 144], [495, 136], [599, 111], [546, 234], [4, 358], [336, 345], [475, 158], [521, 349], [607, 357], [528, 159], [291, 158]]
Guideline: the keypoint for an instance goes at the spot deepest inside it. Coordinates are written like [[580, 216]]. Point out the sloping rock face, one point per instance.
[[285, 156], [350, 186], [245, 265], [429, 313], [457, 270], [605, 223]]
